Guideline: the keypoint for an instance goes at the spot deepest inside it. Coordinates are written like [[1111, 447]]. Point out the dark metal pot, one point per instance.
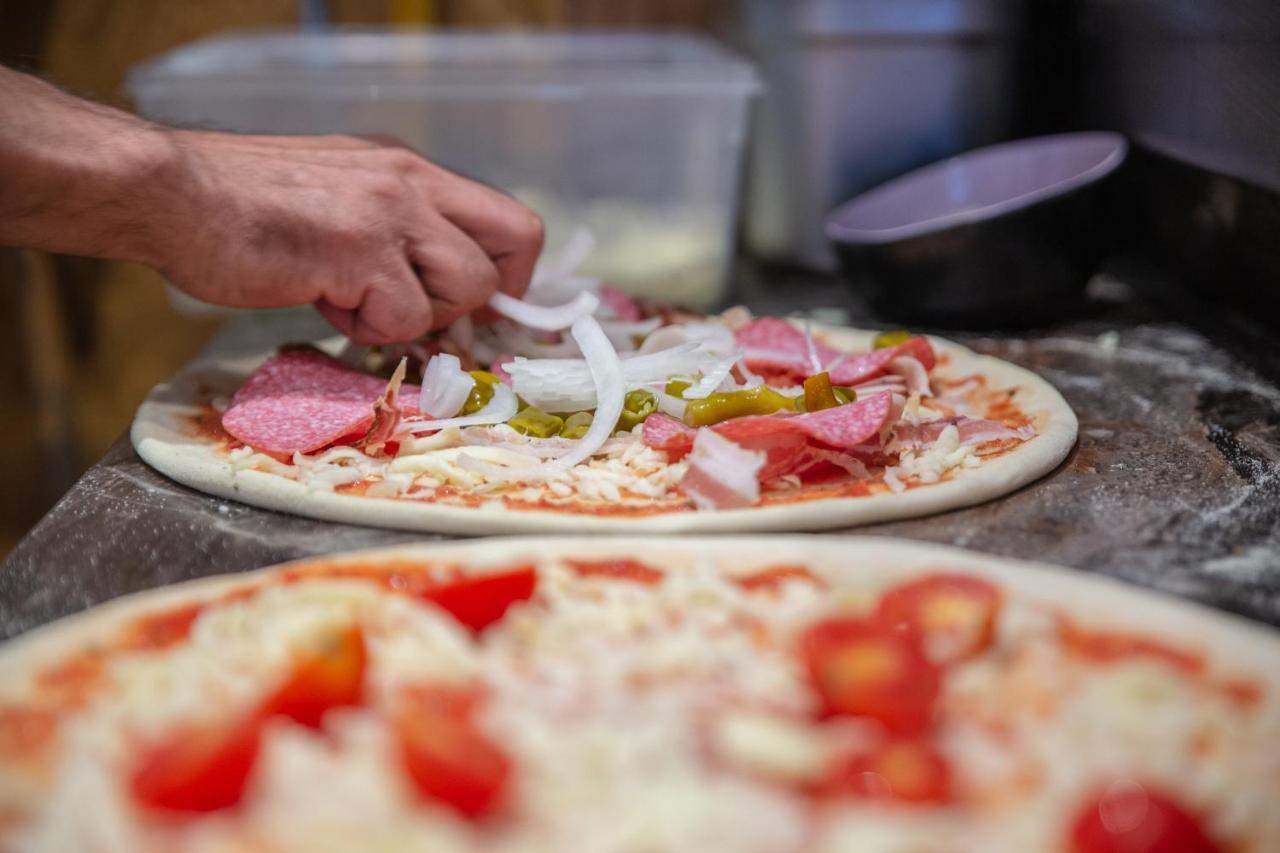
[[1001, 237]]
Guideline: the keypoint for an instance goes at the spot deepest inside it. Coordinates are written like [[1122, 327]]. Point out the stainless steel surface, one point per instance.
[[1175, 483]]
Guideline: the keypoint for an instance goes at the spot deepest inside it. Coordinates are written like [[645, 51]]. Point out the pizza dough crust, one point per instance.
[[162, 438], [1102, 602]]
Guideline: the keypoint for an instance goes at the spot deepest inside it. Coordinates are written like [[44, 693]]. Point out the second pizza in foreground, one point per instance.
[[631, 418], [660, 695]]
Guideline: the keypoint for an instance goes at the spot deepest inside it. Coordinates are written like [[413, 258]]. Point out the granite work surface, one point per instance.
[[1174, 484]]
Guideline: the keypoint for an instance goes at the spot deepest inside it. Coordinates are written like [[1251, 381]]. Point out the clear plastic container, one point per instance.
[[639, 136]]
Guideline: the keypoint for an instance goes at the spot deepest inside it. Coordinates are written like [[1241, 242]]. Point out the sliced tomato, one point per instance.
[[906, 771], [772, 578], [862, 669], [1137, 820], [480, 600], [199, 769], [450, 762], [953, 616], [625, 569], [329, 674]]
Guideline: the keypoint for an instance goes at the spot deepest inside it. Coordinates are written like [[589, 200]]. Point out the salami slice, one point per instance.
[[783, 437], [303, 400], [774, 346]]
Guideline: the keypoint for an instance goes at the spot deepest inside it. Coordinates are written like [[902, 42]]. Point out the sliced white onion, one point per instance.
[[500, 409], [549, 319], [606, 374], [555, 267], [712, 378], [713, 337], [623, 334], [750, 380], [669, 404], [566, 384], [445, 386], [815, 363]]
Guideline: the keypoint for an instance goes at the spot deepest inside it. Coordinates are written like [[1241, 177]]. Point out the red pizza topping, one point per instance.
[[906, 771], [480, 600], [777, 348], [447, 758], [1131, 819], [303, 400], [952, 616], [773, 578], [1110, 646], [70, 682], [161, 630], [619, 569], [844, 426], [199, 769], [862, 669], [25, 730], [330, 674]]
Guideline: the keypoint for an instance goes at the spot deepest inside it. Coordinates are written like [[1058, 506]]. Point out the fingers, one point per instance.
[[510, 233], [391, 308], [456, 273]]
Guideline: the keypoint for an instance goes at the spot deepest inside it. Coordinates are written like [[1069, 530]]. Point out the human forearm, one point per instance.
[[78, 177], [384, 243]]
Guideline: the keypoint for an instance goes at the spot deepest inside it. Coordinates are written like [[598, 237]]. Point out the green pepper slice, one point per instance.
[[576, 425], [636, 406], [725, 405], [677, 387], [884, 340], [533, 421], [481, 392], [818, 393]]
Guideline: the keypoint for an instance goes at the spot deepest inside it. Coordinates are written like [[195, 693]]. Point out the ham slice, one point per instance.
[[303, 400], [776, 348], [972, 431], [721, 473], [782, 438]]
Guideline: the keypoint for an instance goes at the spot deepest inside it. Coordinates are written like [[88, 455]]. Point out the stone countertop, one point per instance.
[[1174, 484]]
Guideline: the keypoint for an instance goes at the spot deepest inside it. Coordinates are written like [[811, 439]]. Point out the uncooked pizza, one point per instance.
[[603, 414], [742, 694]]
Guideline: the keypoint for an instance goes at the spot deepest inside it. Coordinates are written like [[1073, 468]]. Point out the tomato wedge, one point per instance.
[[620, 569], [906, 771], [330, 674], [862, 669], [199, 769], [446, 757], [481, 600], [1130, 819], [953, 616]]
